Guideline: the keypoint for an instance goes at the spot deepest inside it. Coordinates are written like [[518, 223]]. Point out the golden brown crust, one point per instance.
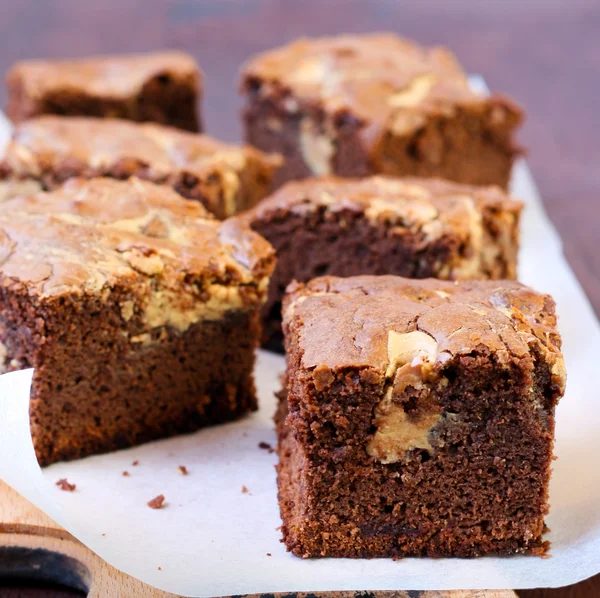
[[92, 234], [50, 149], [108, 77], [382, 79], [347, 321], [406, 199]]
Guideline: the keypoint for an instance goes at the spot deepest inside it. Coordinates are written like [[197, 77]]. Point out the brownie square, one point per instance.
[[355, 105], [138, 310], [46, 151], [417, 228], [419, 418], [164, 87]]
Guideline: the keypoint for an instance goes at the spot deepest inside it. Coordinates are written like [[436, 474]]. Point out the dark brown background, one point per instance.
[[545, 53]]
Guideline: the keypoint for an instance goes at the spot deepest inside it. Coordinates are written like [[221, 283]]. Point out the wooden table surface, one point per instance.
[[545, 53]]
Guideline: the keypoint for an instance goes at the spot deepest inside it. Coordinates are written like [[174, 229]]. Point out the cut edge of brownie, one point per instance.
[[334, 144]]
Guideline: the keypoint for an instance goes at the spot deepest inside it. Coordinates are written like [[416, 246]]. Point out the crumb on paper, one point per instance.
[[158, 502], [104, 533], [126, 474], [63, 484], [246, 491], [160, 568], [183, 470], [269, 554], [135, 463], [265, 446]]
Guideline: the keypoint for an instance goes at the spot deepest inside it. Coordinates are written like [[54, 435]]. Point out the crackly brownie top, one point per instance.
[[381, 321], [429, 209], [93, 235], [376, 77], [110, 77], [408, 202], [49, 144]]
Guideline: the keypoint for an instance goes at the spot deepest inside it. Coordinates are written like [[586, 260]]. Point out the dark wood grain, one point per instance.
[[545, 53], [29, 590], [586, 589]]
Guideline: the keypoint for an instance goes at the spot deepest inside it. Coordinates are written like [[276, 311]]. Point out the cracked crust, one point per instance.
[[92, 234], [375, 76], [225, 178], [119, 76], [346, 322]]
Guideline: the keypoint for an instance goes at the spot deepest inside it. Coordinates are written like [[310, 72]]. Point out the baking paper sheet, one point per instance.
[[212, 539]]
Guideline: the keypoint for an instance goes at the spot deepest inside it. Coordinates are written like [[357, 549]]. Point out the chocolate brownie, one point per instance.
[[164, 87], [417, 228], [138, 310], [46, 151], [357, 105], [420, 417]]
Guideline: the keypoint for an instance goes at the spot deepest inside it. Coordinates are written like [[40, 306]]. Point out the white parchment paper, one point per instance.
[[212, 539]]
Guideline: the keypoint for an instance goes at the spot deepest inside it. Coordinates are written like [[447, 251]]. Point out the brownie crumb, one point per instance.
[[126, 474], [266, 447], [104, 534], [63, 484], [160, 568], [183, 470], [135, 463], [157, 502], [268, 554], [245, 490]]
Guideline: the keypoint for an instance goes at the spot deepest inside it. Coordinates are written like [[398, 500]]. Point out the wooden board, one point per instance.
[[34, 546]]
